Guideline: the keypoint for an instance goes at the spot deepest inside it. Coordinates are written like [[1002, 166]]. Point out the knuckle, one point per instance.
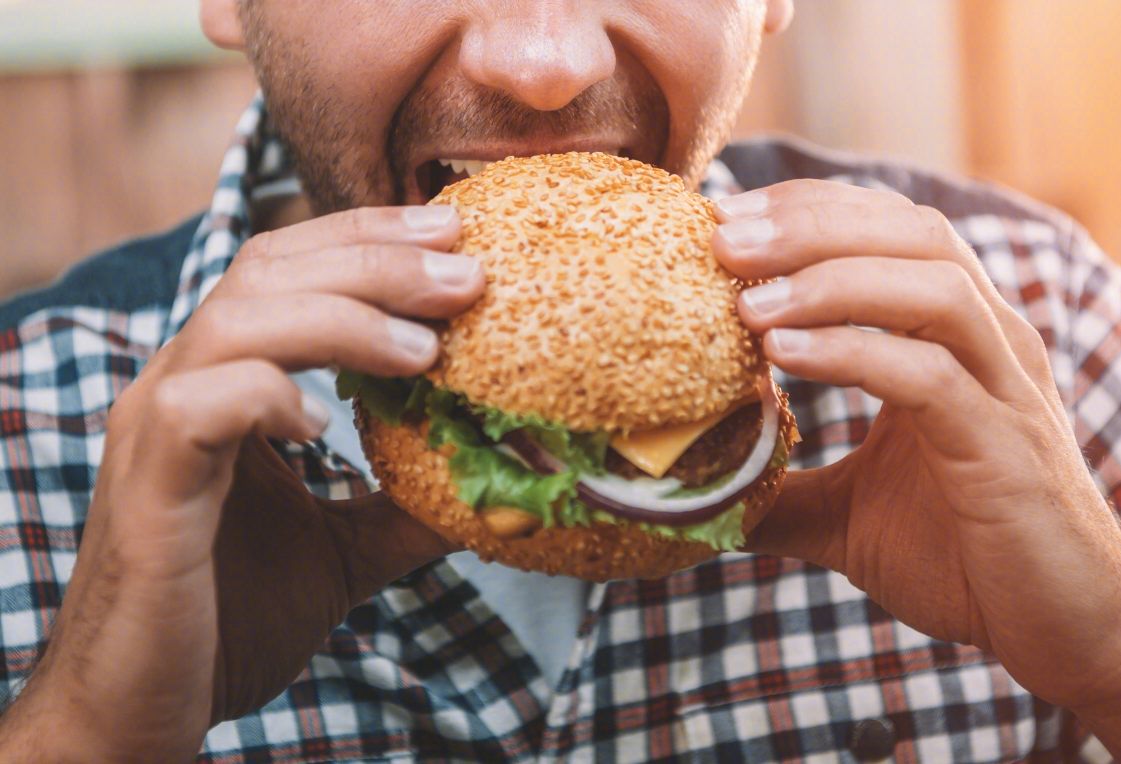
[[372, 263], [943, 372], [815, 191], [358, 224], [895, 197], [252, 275], [954, 294], [802, 223], [337, 313], [780, 192], [936, 225], [215, 318], [953, 280], [261, 373], [273, 386], [170, 405], [257, 247], [801, 191], [124, 407], [1024, 336], [816, 283]]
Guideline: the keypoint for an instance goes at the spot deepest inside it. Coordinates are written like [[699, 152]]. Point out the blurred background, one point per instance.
[[114, 114]]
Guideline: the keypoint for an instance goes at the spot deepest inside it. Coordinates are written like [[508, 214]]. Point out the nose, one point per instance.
[[542, 53]]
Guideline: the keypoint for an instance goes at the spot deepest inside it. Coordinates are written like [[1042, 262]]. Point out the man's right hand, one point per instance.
[[207, 574]]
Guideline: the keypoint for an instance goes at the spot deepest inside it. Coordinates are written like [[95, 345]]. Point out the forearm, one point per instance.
[[65, 714], [39, 726], [45, 725]]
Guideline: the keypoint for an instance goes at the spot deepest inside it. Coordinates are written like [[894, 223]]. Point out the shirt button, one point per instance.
[[872, 739]]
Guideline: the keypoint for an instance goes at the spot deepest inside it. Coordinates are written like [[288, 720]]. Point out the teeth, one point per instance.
[[469, 166], [474, 167]]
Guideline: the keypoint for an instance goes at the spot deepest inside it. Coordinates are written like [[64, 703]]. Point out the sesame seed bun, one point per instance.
[[605, 309]]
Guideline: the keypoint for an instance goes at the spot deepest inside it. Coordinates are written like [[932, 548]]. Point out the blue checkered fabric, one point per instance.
[[746, 658]]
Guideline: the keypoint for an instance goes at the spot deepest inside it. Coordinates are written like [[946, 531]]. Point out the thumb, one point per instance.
[[378, 542], [809, 521]]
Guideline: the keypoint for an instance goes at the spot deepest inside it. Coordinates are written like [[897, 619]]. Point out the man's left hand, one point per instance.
[[968, 511]]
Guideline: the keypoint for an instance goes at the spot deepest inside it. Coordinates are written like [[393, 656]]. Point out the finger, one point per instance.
[[932, 300], [305, 331], [920, 377], [184, 455], [809, 499], [804, 191], [787, 237], [231, 400], [379, 542], [786, 227], [194, 420], [401, 279], [799, 223], [432, 226]]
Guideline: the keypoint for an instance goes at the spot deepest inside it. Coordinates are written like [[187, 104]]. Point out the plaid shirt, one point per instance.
[[744, 658]]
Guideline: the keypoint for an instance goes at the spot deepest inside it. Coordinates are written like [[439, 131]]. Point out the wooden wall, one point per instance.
[[1043, 89], [89, 158], [1026, 93]]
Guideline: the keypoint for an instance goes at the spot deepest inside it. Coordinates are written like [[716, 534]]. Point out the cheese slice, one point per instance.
[[655, 451]]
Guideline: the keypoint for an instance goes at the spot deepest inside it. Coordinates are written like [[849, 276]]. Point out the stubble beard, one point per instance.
[[342, 167]]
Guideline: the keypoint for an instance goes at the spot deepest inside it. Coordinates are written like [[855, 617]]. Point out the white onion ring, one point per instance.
[[648, 501]]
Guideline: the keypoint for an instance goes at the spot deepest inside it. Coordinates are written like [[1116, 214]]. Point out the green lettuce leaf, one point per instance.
[[487, 477], [723, 533], [347, 384], [390, 399], [583, 451]]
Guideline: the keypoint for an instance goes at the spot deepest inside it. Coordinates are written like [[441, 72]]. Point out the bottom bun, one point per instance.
[[419, 481]]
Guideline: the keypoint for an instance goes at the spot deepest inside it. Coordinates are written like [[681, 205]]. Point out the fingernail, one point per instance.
[[748, 232], [751, 203], [429, 218], [414, 339], [790, 340], [315, 414], [767, 298], [452, 270]]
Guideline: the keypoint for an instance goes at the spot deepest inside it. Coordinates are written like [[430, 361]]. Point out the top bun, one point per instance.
[[605, 308]]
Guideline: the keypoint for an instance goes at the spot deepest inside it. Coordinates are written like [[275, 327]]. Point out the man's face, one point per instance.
[[371, 94]]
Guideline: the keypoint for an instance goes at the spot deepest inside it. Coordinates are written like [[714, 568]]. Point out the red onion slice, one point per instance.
[[533, 453], [647, 499], [636, 501]]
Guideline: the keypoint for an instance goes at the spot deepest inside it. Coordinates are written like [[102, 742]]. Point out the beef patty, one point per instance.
[[720, 450]]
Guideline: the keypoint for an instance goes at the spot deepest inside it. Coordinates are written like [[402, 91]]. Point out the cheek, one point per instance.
[[367, 54], [701, 53], [334, 74], [707, 47], [373, 65]]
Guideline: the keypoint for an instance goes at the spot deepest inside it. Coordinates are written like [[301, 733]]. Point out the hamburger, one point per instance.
[[601, 412]]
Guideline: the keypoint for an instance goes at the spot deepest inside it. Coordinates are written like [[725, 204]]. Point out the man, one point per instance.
[[209, 577]]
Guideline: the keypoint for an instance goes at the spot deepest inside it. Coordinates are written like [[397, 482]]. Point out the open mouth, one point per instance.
[[435, 175]]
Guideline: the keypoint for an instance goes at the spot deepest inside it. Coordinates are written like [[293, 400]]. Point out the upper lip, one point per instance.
[[493, 151]]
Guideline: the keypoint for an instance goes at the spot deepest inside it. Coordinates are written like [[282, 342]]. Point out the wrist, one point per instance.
[[41, 725], [55, 720], [1104, 721]]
